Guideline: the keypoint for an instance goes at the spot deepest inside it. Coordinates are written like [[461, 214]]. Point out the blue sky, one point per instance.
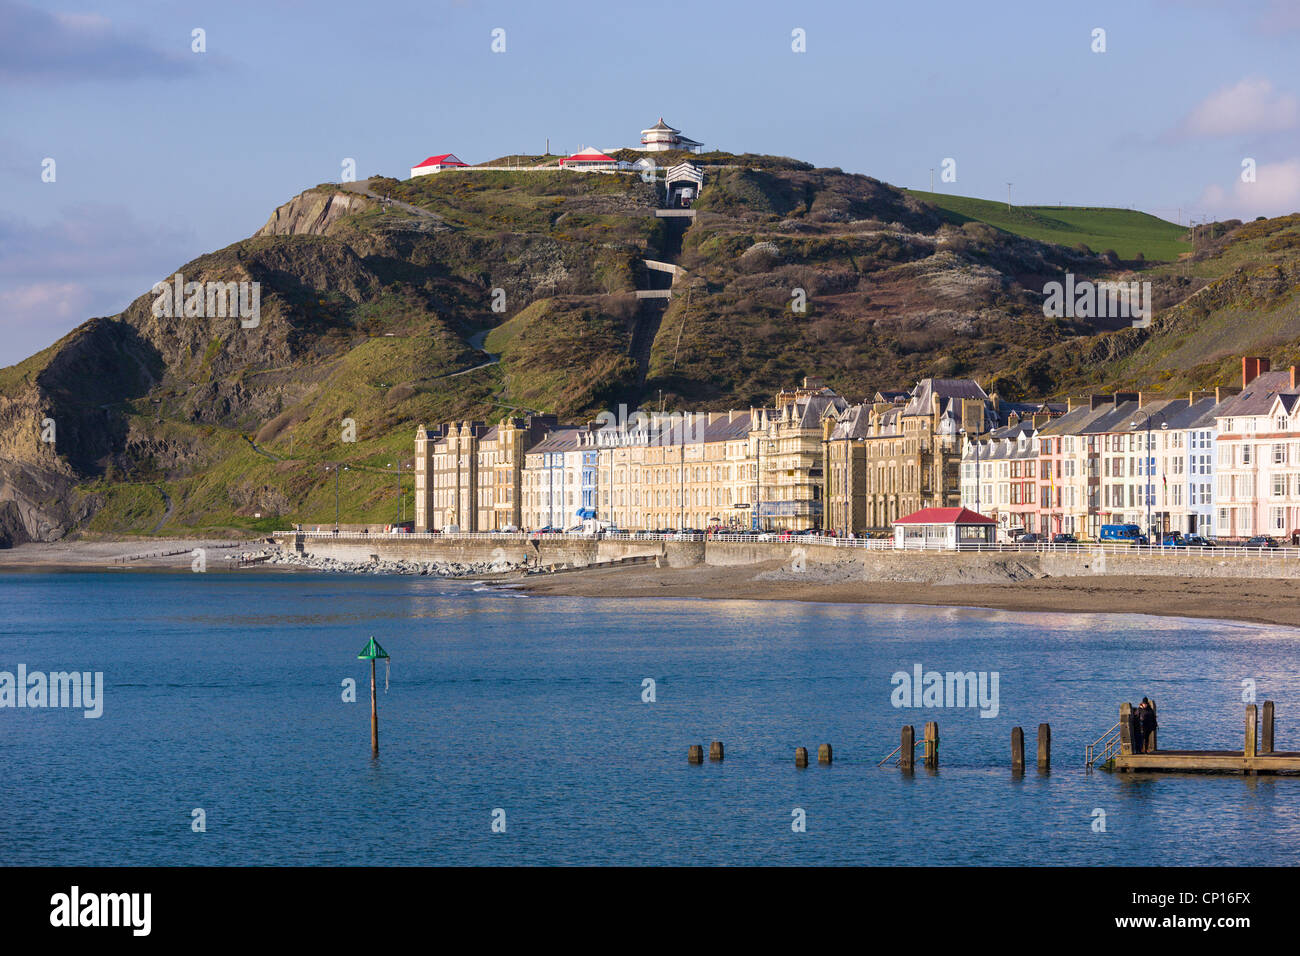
[[162, 154]]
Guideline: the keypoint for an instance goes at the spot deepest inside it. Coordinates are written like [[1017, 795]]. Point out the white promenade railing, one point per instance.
[[783, 538]]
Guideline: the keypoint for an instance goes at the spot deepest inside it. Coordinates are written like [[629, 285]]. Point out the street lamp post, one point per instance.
[[401, 502], [336, 468]]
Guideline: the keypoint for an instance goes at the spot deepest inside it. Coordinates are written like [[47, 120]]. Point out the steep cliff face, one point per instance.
[[60, 418], [312, 213]]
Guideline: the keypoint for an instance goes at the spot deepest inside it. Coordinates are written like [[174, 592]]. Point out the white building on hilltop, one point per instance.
[[661, 137], [436, 164]]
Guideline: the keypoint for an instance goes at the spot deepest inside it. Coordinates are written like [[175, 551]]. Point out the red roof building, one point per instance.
[[436, 164], [589, 158], [945, 516], [943, 528]]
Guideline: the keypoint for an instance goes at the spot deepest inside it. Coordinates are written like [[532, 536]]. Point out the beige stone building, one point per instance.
[[900, 452], [787, 443], [468, 475], [677, 471]]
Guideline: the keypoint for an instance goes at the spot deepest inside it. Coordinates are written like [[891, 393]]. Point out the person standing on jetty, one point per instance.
[[1146, 726]]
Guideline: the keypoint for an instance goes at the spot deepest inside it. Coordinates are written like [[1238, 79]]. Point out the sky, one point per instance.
[[125, 152]]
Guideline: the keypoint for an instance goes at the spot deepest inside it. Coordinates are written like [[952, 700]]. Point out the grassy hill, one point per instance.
[[477, 295], [1126, 231]]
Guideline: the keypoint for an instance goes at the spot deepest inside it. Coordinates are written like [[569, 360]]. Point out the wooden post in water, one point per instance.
[[1252, 731], [930, 750], [715, 750], [1044, 748], [374, 712], [372, 652], [801, 756], [907, 752], [1266, 739], [695, 754], [1017, 750], [1126, 729], [824, 754]]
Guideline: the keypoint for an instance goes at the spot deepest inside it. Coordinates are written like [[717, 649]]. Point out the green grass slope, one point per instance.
[[1126, 231]]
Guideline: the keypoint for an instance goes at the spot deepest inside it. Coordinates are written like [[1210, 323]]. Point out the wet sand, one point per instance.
[[1260, 600], [150, 553]]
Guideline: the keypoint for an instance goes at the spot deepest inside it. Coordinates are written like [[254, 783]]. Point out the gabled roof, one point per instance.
[[589, 155], [1288, 401], [957, 516], [930, 394], [562, 439], [854, 422], [446, 159], [1072, 422], [1257, 397]]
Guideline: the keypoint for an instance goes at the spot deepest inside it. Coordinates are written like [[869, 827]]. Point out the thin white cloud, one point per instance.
[[53, 304], [1250, 106], [36, 46], [1268, 17], [1275, 192], [93, 260]]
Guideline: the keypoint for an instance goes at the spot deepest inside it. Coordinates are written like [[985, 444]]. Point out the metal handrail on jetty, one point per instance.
[[1109, 742]]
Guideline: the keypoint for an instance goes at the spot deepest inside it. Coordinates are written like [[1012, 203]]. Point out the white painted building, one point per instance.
[[661, 137], [436, 164]]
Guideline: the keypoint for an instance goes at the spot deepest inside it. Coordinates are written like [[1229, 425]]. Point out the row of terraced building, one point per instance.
[[1223, 463]]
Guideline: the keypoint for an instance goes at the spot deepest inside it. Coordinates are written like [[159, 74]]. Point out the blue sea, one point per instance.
[[224, 692]]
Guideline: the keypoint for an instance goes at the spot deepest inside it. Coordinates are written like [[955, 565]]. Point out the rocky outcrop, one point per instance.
[[312, 213]]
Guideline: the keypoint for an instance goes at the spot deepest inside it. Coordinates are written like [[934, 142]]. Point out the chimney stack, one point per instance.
[[1251, 367], [1293, 378]]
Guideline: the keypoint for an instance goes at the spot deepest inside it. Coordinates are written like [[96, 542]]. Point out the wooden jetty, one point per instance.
[[1115, 750]]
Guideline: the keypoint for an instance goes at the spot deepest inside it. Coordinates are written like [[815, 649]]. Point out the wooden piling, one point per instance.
[[1252, 730], [1017, 750], [715, 750], [1266, 737], [801, 756], [907, 751], [930, 745], [695, 754], [1126, 730], [374, 713], [824, 754], [1044, 747]]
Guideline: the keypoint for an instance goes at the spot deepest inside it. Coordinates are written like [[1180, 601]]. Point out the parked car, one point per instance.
[[1064, 539], [1030, 537], [1196, 541], [1261, 541]]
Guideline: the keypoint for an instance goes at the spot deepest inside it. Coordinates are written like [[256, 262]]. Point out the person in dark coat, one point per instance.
[[1147, 725]]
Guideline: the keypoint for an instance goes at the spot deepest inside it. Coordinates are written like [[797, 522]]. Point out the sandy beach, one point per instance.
[[91, 555], [1258, 600]]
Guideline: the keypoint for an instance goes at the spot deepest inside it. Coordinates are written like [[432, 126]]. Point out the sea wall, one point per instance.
[[923, 566], [543, 552]]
